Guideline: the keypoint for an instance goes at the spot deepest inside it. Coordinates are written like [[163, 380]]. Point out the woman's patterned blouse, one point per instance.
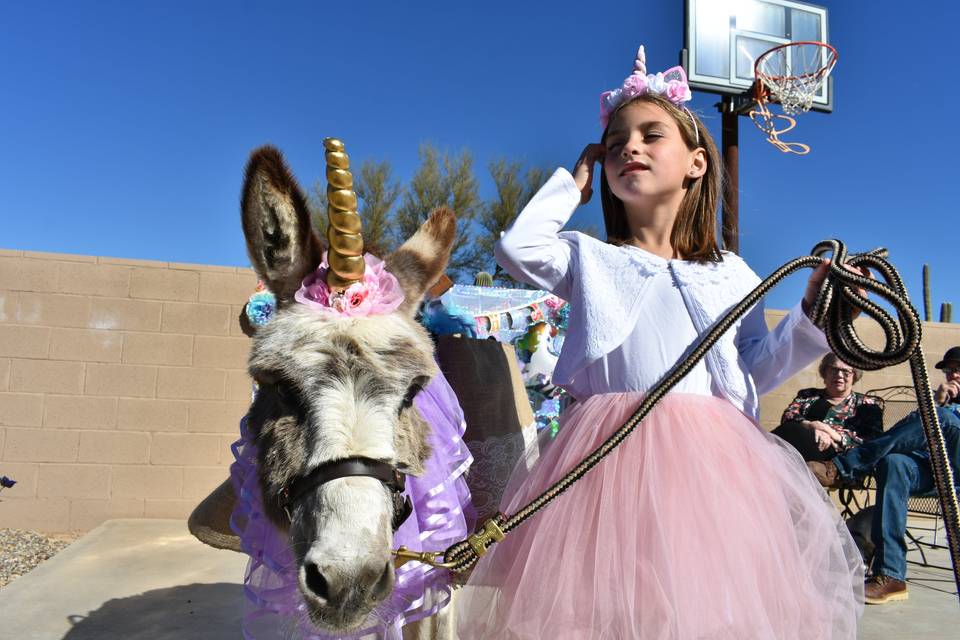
[[858, 417]]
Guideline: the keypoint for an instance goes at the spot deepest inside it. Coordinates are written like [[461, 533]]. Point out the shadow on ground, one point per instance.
[[209, 611]]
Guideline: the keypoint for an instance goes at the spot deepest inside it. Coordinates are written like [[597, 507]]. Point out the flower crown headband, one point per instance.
[[671, 84]]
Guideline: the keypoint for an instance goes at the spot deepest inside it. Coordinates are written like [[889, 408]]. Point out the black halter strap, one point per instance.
[[355, 467]]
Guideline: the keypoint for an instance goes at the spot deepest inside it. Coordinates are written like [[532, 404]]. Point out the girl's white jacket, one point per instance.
[[605, 286]]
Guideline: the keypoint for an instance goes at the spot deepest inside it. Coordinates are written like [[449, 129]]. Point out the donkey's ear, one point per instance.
[[276, 223], [421, 260]]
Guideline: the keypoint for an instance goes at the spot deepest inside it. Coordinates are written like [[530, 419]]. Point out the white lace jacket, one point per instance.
[[605, 285]]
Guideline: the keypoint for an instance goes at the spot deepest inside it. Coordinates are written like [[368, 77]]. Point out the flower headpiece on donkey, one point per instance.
[[347, 283]]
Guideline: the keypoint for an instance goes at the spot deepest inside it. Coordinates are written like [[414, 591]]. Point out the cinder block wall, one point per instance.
[[122, 383], [121, 386]]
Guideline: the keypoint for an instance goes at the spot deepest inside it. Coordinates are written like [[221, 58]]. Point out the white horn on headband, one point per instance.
[[640, 64]]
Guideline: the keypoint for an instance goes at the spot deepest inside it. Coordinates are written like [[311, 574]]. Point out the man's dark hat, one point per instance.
[[953, 353]]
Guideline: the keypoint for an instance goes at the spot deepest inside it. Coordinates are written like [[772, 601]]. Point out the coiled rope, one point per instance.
[[833, 312]]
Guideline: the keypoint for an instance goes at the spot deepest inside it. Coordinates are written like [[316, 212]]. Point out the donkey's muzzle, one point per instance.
[[341, 600]]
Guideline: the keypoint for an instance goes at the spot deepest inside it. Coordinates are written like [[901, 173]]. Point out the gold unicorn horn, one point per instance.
[[345, 255]]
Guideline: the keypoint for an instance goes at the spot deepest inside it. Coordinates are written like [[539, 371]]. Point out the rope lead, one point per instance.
[[833, 311]]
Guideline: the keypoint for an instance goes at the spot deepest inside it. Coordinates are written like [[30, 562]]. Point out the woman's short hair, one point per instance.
[[831, 360]]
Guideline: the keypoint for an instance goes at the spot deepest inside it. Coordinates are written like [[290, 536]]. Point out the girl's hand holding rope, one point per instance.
[[819, 276]]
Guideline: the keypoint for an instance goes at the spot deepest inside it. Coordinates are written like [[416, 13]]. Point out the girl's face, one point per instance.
[[647, 160]]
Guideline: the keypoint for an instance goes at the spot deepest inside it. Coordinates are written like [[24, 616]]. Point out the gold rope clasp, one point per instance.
[[480, 542], [433, 558]]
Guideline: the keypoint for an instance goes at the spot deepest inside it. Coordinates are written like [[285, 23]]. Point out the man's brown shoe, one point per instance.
[[881, 589], [826, 474]]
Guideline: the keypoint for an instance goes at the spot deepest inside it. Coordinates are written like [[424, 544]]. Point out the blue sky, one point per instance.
[[125, 126]]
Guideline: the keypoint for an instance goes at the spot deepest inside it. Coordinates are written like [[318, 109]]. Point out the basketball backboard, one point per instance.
[[723, 38]]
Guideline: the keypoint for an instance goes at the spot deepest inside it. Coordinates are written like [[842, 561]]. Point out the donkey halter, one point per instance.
[[386, 473]]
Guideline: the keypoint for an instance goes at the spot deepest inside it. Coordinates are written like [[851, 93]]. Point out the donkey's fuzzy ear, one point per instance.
[[419, 262], [276, 223]]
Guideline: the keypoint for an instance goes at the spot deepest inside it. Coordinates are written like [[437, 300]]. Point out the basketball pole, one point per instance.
[[730, 141]]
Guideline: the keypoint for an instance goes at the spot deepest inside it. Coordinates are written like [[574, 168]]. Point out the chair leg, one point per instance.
[[919, 547]]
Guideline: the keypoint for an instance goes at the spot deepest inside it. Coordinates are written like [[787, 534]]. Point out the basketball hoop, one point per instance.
[[790, 74]]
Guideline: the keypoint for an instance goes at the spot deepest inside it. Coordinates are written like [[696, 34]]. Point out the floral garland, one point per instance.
[[378, 293]]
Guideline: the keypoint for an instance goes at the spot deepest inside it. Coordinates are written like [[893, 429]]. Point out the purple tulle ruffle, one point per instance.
[[441, 516]]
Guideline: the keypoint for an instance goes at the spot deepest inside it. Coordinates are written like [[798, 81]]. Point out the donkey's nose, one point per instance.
[[333, 586], [315, 581], [383, 585]]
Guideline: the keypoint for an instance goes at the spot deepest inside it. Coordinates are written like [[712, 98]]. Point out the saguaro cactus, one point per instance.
[[946, 312], [926, 293]]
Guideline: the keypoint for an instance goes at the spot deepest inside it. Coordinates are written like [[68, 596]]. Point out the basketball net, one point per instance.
[[791, 75]]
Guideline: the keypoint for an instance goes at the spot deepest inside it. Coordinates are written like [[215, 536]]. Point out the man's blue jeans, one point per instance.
[[905, 437], [902, 469]]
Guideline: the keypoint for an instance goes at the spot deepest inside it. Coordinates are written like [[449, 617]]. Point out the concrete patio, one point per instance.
[[149, 579]]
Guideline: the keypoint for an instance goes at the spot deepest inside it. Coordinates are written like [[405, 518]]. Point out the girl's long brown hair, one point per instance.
[[694, 233]]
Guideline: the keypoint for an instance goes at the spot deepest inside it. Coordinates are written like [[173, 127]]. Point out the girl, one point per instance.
[[700, 525]]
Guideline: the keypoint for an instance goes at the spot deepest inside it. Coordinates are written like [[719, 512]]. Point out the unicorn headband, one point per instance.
[[348, 282], [671, 84]]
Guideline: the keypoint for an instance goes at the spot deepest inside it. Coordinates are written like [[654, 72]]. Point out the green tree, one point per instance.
[[377, 191], [513, 194], [317, 203], [443, 180]]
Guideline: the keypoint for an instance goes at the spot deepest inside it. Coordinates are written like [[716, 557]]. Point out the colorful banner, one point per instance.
[[534, 322]]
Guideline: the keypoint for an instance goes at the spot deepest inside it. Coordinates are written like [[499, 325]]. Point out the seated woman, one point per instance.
[[820, 423]]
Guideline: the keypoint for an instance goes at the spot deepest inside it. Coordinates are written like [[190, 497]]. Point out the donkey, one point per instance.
[[335, 388]]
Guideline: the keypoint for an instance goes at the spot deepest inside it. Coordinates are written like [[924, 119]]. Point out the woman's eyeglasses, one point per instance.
[[844, 372], [949, 371]]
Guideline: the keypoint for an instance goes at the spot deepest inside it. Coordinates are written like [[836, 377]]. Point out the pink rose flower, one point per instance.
[[677, 91], [377, 293], [634, 86], [553, 303]]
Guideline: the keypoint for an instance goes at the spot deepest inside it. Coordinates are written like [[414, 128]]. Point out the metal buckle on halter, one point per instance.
[[480, 542]]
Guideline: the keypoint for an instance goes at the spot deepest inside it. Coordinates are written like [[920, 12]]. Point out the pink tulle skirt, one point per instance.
[[700, 525]]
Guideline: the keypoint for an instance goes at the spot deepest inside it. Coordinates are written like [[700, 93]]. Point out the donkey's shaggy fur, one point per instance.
[[334, 388]]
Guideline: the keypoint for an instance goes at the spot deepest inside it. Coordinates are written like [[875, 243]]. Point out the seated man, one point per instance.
[[902, 467]]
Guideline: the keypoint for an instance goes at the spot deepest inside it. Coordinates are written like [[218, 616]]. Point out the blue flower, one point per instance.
[[260, 308], [6, 482]]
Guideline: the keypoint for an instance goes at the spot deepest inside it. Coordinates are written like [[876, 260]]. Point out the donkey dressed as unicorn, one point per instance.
[[352, 446]]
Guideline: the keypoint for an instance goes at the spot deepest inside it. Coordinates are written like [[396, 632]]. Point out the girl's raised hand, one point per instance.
[[816, 281], [583, 170]]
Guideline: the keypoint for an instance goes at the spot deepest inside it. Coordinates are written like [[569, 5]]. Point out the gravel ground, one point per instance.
[[21, 551]]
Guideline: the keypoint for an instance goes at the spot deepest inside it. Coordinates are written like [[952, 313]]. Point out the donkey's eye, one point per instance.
[[286, 391], [277, 385], [265, 378]]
